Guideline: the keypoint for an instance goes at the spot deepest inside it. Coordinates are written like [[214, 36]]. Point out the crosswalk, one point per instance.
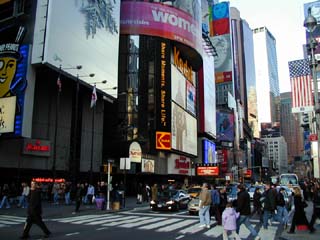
[[7, 221], [181, 225]]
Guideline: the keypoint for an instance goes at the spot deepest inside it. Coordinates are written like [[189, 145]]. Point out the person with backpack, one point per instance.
[[316, 204], [215, 204]]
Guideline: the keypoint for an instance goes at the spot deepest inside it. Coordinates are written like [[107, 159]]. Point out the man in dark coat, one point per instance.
[[243, 207], [269, 204], [34, 212]]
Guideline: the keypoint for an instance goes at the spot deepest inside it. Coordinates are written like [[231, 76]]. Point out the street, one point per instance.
[[137, 222]]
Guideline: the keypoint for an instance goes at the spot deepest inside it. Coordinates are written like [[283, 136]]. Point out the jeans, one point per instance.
[[245, 219], [204, 215], [5, 201], [67, 198], [282, 215], [23, 201], [56, 198], [266, 216]]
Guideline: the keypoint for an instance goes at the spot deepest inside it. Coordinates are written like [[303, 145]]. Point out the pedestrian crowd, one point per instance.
[[271, 203]]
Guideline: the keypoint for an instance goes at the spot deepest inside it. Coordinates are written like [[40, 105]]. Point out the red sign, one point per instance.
[[208, 171], [313, 137], [247, 173], [163, 140]]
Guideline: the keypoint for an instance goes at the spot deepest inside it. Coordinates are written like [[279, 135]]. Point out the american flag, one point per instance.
[[301, 86], [94, 97]]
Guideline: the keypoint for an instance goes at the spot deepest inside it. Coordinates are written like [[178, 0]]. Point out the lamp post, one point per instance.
[[78, 67], [74, 165], [310, 23], [93, 105]]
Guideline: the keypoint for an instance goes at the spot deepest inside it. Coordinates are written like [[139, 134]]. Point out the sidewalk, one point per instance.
[[51, 210]]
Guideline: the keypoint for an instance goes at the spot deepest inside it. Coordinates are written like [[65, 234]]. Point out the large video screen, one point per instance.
[[178, 87], [225, 126], [84, 33], [183, 130]]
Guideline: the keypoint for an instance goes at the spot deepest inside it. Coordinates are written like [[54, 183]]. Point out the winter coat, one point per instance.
[[229, 219], [35, 207], [270, 200], [205, 198], [243, 203]]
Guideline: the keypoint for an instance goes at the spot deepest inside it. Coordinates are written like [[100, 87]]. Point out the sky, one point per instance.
[[284, 19]]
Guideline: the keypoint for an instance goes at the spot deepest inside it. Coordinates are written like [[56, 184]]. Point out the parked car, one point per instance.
[[193, 206], [171, 200], [194, 191]]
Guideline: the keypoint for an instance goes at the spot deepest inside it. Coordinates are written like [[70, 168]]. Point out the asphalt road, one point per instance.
[[133, 222]]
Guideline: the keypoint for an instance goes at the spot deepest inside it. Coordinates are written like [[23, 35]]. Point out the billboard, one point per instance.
[[13, 71], [155, 19], [269, 129], [209, 151], [225, 126], [184, 130], [178, 87], [191, 98], [84, 33]]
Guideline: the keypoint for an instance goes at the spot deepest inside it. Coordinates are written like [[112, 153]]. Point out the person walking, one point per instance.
[[139, 193], [257, 206], [23, 199], [299, 216], [215, 204], [204, 206], [5, 196], [90, 193], [154, 192], [316, 203], [269, 204], [243, 207], [229, 222], [34, 212], [78, 197], [282, 212]]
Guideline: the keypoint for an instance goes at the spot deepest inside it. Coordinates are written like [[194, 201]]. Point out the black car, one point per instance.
[[171, 200]]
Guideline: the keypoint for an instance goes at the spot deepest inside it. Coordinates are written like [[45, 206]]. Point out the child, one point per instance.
[[229, 221]]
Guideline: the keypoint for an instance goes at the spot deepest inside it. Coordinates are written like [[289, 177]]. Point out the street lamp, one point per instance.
[[78, 67], [310, 23], [93, 98], [74, 165]]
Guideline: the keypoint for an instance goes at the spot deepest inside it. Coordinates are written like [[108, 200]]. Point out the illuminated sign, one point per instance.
[[7, 114], [247, 173], [15, 56], [209, 151], [154, 19], [182, 65], [207, 171], [37, 147], [163, 93], [163, 140], [135, 152], [48, 180]]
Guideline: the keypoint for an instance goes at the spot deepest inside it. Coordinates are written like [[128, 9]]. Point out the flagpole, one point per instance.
[[92, 139], [56, 126]]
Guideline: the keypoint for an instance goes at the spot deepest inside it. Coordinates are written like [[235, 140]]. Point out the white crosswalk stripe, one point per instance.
[[7, 221], [161, 223]]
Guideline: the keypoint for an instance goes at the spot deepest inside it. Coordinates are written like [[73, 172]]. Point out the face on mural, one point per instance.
[[8, 66]]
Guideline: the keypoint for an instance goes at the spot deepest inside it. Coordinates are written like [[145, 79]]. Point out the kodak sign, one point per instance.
[[163, 140]]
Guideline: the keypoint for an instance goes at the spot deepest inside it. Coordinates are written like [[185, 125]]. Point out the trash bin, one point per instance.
[[100, 203]]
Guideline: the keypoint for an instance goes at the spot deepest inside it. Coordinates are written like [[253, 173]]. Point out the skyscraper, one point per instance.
[[267, 80]]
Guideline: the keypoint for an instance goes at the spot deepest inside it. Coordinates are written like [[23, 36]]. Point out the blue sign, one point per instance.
[[209, 151]]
